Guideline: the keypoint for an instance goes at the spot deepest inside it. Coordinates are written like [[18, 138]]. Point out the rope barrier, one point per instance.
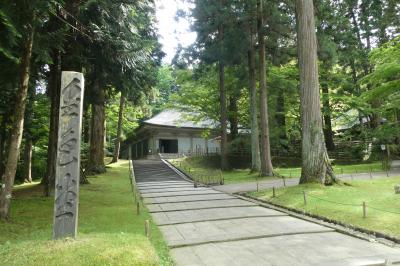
[[276, 196]]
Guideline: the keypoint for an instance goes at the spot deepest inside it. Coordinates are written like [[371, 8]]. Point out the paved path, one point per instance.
[[266, 184], [203, 226]]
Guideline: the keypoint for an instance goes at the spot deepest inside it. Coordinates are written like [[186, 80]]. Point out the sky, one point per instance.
[[173, 32]]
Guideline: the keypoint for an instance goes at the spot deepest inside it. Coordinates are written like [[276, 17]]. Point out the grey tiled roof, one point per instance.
[[176, 118]]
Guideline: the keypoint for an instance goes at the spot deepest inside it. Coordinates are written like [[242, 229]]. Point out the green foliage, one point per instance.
[[165, 87], [130, 120], [198, 92], [383, 85]]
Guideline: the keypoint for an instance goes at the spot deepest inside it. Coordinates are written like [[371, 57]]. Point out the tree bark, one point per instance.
[[266, 162], [315, 161], [96, 152], [3, 137], [119, 129], [280, 117], [255, 141], [28, 160], [233, 117], [54, 88], [86, 123], [222, 101], [17, 126], [223, 117], [328, 132]]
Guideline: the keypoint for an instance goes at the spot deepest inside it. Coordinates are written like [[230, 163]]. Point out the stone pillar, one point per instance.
[[68, 156]]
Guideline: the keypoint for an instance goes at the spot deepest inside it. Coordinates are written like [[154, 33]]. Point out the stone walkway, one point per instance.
[[203, 226]]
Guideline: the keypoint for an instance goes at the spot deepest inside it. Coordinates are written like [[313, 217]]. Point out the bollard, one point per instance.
[[305, 197], [273, 192], [195, 183], [284, 181], [137, 208], [364, 210], [147, 229]]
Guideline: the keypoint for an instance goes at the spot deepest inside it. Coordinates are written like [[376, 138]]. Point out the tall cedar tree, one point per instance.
[[18, 119], [315, 161], [266, 162]]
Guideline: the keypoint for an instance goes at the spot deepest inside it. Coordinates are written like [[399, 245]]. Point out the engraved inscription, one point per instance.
[[68, 154]]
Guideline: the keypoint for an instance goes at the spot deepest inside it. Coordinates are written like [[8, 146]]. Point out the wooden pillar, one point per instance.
[[68, 154]]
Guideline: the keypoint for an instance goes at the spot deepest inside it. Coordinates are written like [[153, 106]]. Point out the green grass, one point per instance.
[[197, 165], [110, 232], [333, 202]]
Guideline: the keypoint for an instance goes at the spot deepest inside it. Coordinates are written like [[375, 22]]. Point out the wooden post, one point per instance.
[[137, 208], [364, 210], [305, 197], [273, 192], [147, 229], [67, 174]]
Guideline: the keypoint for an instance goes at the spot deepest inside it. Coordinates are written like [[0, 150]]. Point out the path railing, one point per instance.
[[137, 198], [307, 197], [200, 176]]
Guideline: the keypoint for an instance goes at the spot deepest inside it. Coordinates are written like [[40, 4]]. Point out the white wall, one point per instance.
[[184, 143]]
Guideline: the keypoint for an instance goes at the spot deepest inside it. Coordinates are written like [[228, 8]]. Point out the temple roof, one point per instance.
[[176, 118]]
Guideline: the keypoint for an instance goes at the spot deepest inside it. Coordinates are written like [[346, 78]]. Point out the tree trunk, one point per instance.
[[233, 117], [3, 137], [119, 130], [96, 152], [28, 160], [328, 132], [280, 118], [86, 124], [255, 142], [315, 161], [222, 101], [54, 88], [223, 117], [17, 126], [266, 162]]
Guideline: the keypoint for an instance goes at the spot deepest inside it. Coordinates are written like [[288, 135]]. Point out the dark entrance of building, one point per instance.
[[168, 146]]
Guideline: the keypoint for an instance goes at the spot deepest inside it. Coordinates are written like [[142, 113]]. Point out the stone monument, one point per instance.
[[68, 156]]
